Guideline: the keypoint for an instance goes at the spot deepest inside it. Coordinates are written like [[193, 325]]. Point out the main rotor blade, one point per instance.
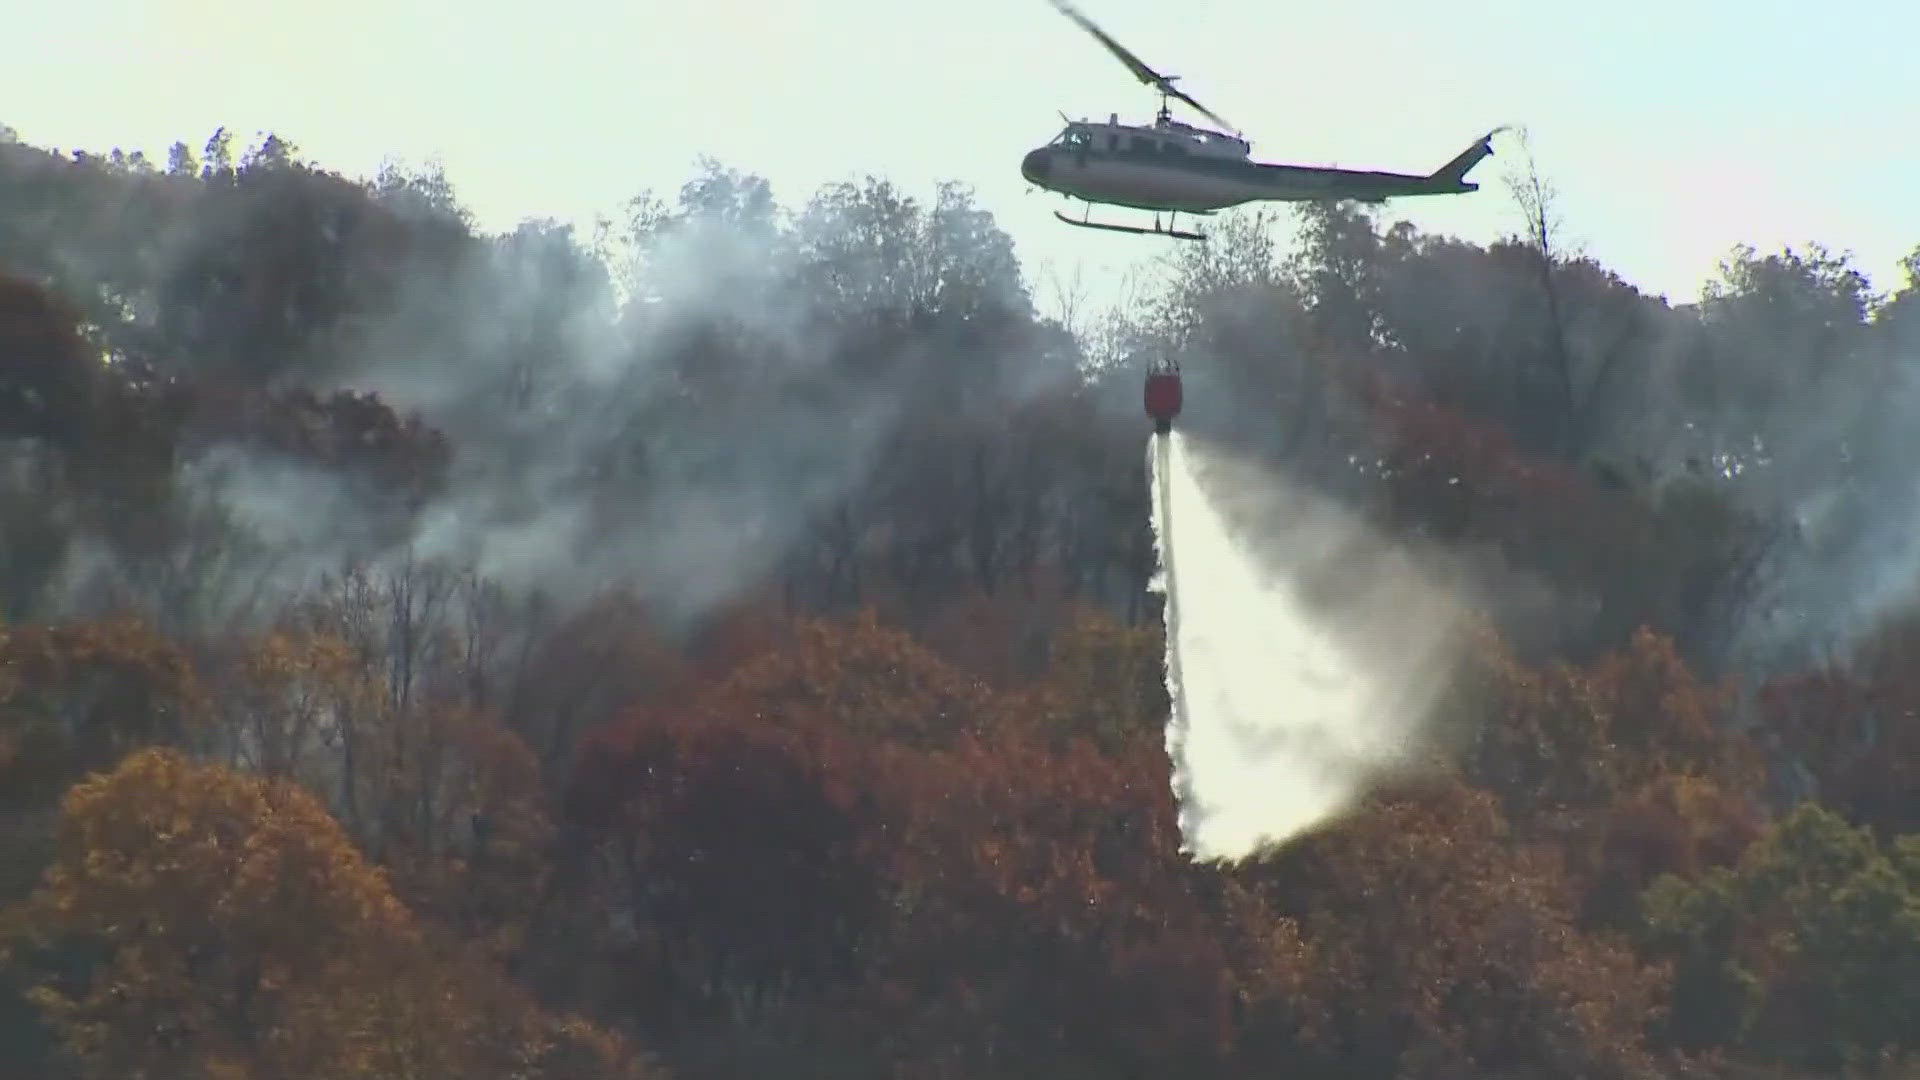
[[1140, 70], [1134, 64], [1202, 109]]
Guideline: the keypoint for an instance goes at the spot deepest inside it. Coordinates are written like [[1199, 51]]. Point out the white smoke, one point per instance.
[[1304, 655]]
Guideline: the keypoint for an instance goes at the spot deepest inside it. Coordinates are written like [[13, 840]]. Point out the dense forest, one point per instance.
[[721, 646]]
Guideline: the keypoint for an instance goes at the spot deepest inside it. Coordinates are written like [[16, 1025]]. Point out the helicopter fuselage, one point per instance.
[[1188, 170], [1175, 168]]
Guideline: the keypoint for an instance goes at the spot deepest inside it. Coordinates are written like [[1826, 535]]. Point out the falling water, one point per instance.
[[1304, 654]]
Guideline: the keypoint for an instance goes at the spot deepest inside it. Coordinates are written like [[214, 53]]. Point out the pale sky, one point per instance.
[[1673, 130]]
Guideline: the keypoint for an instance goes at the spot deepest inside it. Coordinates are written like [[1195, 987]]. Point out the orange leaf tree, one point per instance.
[[1105, 680], [1674, 824], [1560, 742], [726, 882], [1048, 921], [1850, 731], [729, 847], [1442, 948], [848, 849], [76, 696], [858, 677], [206, 923]]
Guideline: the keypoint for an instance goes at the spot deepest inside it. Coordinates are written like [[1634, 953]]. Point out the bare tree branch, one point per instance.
[[1538, 200]]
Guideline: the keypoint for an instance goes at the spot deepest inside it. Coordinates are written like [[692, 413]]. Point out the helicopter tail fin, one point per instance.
[[1453, 174]]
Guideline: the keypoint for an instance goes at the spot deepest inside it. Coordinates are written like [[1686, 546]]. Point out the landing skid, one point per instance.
[[1157, 230]]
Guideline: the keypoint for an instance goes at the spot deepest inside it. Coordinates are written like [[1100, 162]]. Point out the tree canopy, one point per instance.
[[723, 646]]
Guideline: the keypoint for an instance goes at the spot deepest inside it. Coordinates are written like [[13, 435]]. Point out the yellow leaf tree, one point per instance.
[[212, 924], [76, 696]]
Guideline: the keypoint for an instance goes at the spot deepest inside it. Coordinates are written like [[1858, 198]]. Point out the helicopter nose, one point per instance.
[[1034, 166]]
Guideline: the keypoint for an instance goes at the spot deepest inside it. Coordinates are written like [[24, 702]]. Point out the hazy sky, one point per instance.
[[1673, 130]]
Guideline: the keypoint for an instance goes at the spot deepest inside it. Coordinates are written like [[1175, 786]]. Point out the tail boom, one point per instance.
[[1453, 175], [1295, 182]]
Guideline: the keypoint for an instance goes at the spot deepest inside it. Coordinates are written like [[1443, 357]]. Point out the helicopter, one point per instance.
[[1169, 167]]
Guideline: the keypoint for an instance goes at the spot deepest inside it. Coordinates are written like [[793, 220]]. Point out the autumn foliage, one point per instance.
[[234, 930], [751, 670]]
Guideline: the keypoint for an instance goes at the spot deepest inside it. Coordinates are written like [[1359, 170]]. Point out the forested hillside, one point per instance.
[[721, 646]]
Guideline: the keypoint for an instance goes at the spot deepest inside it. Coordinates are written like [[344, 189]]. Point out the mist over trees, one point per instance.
[[720, 646]]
